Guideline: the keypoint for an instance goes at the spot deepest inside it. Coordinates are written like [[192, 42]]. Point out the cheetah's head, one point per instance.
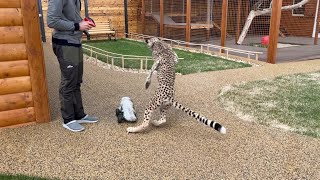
[[151, 41]]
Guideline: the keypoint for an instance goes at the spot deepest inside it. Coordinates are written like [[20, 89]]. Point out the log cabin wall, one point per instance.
[[102, 10], [23, 86]]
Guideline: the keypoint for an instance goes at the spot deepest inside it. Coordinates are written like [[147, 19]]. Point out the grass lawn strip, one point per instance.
[[288, 102]]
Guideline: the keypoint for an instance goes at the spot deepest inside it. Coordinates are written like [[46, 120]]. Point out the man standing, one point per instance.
[[64, 17]]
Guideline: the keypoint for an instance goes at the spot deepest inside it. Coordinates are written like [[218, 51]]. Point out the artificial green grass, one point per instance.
[[19, 177], [192, 62], [290, 102]]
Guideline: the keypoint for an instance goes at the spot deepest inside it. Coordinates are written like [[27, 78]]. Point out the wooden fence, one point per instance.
[[23, 87]]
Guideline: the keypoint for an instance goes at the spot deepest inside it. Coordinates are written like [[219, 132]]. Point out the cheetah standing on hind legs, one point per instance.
[[164, 62]]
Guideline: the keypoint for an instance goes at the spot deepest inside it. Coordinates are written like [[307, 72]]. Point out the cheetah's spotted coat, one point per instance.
[[164, 62]]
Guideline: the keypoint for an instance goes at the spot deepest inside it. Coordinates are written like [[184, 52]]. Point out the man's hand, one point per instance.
[[84, 26]]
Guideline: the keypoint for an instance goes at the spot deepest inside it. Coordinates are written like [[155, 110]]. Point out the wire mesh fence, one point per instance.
[[248, 23]]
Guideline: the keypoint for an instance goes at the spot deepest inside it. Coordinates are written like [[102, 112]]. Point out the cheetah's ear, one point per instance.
[[147, 40]]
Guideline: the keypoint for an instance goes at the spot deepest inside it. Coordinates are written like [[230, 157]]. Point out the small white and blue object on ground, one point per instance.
[[125, 112]]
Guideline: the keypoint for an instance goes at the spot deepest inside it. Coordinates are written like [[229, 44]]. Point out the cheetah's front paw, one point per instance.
[[148, 82]]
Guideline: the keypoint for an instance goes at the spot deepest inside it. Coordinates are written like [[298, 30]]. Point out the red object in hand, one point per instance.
[[265, 40], [90, 21]]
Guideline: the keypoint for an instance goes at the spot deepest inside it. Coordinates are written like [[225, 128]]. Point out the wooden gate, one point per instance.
[[23, 86]]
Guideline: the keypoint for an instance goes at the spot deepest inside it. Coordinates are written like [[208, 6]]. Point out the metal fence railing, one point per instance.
[[203, 48], [115, 59]]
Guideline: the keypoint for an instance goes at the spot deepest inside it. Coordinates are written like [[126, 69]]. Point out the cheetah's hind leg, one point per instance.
[[146, 120], [162, 119], [163, 112]]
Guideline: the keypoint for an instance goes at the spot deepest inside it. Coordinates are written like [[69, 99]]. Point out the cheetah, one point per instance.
[[164, 62]]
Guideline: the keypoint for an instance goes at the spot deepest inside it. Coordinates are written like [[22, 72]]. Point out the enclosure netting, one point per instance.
[[297, 24], [205, 19]]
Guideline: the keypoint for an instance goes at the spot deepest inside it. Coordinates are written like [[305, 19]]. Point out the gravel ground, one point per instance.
[[181, 149]]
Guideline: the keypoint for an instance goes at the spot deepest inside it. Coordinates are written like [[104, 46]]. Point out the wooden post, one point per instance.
[[316, 35], [208, 11], [209, 20], [143, 16], [188, 22], [224, 20], [246, 11], [274, 31], [161, 18], [36, 60], [126, 25], [238, 20]]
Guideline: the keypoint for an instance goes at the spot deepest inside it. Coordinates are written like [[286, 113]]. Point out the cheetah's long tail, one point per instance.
[[200, 118]]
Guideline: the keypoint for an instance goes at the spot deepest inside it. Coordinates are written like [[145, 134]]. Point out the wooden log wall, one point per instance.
[[23, 87], [102, 10]]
